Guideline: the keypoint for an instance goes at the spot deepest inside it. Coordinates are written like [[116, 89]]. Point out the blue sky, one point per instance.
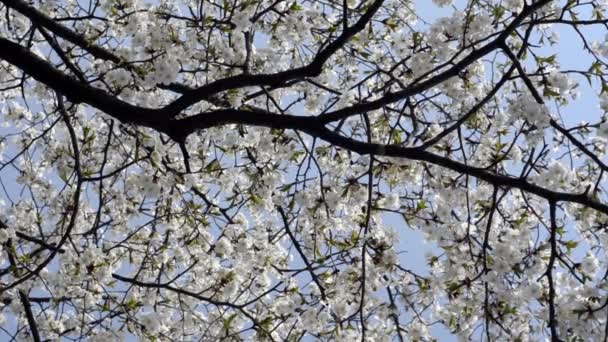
[[584, 108]]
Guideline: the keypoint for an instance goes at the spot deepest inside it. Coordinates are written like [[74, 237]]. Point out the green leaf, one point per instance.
[[548, 92], [286, 188], [354, 237], [498, 12], [256, 199], [421, 205], [571, 244], [213, 166], [546, 60], [392, 24], [296, 7], [132, 304], [604, 87], [228, 321]]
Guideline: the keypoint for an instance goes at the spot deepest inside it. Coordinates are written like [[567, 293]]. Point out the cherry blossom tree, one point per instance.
[[249, 170]]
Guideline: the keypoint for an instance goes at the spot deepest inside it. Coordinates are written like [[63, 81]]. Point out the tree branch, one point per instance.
[[30, 316]]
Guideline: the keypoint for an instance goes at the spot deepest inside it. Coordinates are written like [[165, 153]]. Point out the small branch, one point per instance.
[[549, 273], [182, 147], [309, 267], [30, 316]]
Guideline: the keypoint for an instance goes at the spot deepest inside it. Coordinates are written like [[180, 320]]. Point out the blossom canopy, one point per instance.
[[220, 170]]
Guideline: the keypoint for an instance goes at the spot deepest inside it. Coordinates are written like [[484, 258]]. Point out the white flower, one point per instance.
[[119, 77], [526, 107], [230, 289], [442, 3], [601, 48], [235, 99], [401, 42], [513, 5], [16, 112], [604, 102], [560, 82], [91, 255], [392, 201], [242, 17], [155, 157], [602, 130], [6, 233], [590, 264], [151, 322], [223, 247], [421, 63], [309, 318], [149, 185]]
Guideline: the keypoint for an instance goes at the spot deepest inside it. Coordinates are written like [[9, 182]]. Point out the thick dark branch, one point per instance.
[[311, 126], [539, 99], [183, 127], [436, 80], [313, 69], [166, 286], [75, 91], [66, 60], [177, 290], [578, 144], [39, 18], [31, 321], [180, 129], [570, 22], [202, 93], [73, 210], [42, 243], [78, 92], [552, 257], [486, 269], [471, 111]]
